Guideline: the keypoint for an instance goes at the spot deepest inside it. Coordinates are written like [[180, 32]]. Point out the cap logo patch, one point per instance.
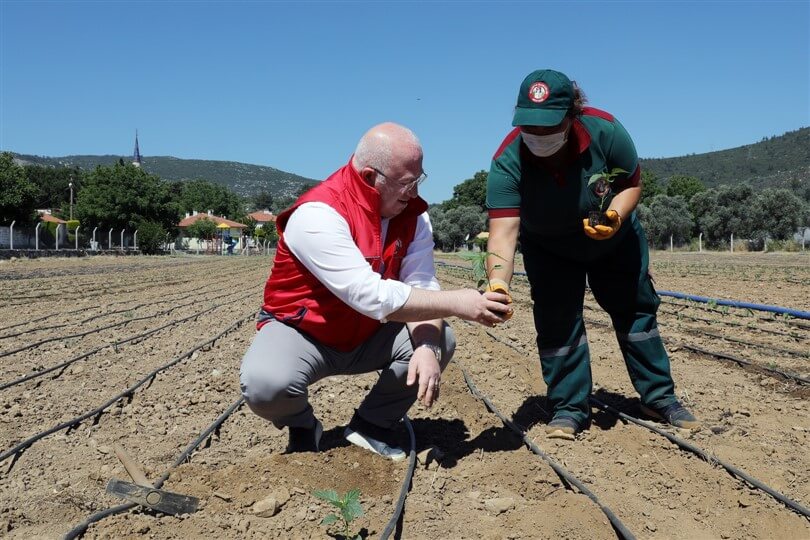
[[538, 92]]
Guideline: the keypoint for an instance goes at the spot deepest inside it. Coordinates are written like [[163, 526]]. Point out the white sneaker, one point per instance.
[[378, 447]]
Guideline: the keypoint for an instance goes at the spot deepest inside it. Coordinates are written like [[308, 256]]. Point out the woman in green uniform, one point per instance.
[[562, 161]]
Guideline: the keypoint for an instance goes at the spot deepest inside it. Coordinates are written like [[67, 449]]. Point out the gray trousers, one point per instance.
[[282, 362]]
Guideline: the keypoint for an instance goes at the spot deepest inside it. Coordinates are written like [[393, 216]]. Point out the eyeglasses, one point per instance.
[[407, 186]]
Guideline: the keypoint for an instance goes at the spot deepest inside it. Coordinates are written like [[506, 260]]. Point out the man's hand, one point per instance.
[[425, 367], [603, 232], [489, 308], [500, 286]]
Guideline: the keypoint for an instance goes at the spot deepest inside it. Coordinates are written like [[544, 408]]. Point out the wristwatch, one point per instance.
[[437, 351]]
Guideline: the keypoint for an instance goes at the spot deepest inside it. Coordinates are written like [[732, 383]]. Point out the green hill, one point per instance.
[[244, 179], [781, 161]]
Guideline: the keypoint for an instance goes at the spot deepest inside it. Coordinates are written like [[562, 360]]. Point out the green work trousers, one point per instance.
[[621, 284]]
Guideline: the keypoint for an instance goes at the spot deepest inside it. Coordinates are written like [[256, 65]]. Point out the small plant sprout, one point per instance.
[[603, 182], [349, 506], [479, 265]]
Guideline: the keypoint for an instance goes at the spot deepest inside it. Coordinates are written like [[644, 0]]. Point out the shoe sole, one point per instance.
[[358, 440], [559, 433]]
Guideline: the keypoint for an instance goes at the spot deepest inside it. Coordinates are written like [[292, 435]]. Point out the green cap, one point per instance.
[[545, 96]]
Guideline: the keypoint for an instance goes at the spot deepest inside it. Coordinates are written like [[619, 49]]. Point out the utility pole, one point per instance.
[[70, 185]]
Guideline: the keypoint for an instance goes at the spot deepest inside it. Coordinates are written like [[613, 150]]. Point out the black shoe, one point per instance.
[[674, 414], [373, 438], [305, 439]]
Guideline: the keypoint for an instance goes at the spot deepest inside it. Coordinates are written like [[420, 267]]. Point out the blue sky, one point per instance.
[[293, 85]]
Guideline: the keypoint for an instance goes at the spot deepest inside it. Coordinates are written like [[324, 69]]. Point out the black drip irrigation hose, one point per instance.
[[688, 446], [788, 352], [114, 345], [406, 484], [18, 450], [564, 475], [679, 315], [741, 361], [81, 528], [711, 354], [790, 503], [95, 330]]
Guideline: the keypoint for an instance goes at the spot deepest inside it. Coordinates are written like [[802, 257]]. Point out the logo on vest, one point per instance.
[[538, 92]]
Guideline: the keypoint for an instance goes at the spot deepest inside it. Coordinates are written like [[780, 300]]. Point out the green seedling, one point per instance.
[[349, 507], [479, 265], [603, 181]]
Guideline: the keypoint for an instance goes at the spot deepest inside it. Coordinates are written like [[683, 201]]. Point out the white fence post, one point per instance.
[[670, 243], [36, 236], [57, 236], [109, 239], [11, 235], [76, 235], [122, 239], [700, 242], [732, 242], [94, 245], [135, 240]]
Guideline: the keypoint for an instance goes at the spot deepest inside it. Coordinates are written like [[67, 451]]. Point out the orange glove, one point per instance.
[[603, 232], [500, 286]]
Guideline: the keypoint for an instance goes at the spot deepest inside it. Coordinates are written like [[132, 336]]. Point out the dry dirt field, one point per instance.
[[144, 352]]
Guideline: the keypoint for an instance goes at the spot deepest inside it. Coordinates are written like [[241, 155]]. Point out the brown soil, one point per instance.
[[487, 485]]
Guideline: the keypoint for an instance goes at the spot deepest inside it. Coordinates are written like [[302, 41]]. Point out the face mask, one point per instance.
[[545, 145]]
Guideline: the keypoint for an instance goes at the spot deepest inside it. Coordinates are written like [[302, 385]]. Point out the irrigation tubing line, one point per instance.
[[406, 484], [93, 331], [799, 314], [81, 528], [741, 361], [566, 476], [17, 450], [97, 349], [787, 352], [679, 315], [710, 459], [98, 292], [114, 345]]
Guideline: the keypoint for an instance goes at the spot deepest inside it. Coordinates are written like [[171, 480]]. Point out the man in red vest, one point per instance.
[[353, 290]]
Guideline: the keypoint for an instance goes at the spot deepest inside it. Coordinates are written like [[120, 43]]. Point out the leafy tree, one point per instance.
[[203, 195], [471, 192], [151, 237], [53, 186], [777, 213], [17, 193], [723, 211], [649, 185], [262, 201], [456, 226], [666, 216], [123, 196], [684, 186], [204, 229]]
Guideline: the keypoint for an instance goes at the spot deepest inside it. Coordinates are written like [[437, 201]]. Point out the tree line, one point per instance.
[[680, 209], [123, 196]]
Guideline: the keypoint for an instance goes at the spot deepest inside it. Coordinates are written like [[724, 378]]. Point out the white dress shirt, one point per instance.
[[320, 238]]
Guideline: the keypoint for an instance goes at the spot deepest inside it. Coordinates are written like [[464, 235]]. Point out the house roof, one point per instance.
[[216, 219], [51, 218], [263, 216]]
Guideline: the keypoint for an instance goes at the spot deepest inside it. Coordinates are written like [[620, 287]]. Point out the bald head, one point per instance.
[[387, 146]]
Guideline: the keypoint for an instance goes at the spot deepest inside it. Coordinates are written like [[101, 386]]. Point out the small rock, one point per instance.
[[717, 430], [499, 505], [745, 502], [430, 457], [651, 526], [223, 496], [267, 507], [104, 449]]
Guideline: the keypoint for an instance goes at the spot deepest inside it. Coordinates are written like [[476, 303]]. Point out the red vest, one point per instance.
[[294, 296]]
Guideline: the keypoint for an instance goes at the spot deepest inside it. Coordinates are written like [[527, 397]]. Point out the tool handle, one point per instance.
[[132, 468]]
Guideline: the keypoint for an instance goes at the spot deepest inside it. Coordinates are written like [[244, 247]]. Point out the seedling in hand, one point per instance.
[[602, 189], [349, 507], [479, 265]]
